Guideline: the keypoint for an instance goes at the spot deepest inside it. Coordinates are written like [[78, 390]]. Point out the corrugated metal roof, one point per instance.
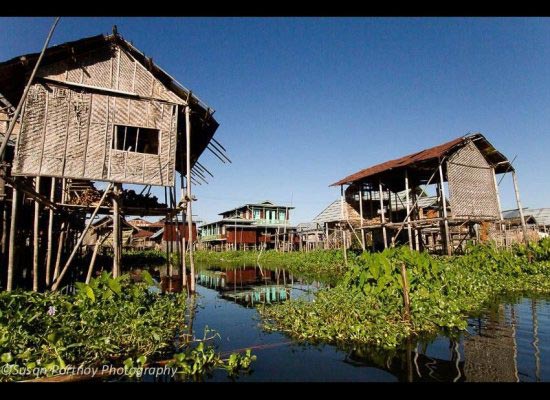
[[308, 226], [432, 155], [333, 213], [540, 215]]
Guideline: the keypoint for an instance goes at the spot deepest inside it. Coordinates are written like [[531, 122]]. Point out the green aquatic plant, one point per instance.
[[367, 304], [104, 322]]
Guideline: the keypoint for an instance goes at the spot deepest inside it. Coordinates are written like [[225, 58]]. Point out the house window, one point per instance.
[[137, 140]]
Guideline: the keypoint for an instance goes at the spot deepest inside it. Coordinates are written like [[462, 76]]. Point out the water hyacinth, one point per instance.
[[366, 306]]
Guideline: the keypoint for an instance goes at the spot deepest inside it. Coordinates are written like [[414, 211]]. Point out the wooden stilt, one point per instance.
[[58, 280], [520, 208], [4, 230], [382, 217], [60, 244], [35, 238], [498, 196], [50, 235], [448, 243], [189, 198], [361, 214], [116, 230], [11, 251], [407, 200], [98, 244], [183, 261]]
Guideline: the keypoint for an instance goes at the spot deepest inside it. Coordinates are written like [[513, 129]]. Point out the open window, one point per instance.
[[136, 139]]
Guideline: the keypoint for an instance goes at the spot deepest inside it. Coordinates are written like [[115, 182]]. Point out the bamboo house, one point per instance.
[[466, 205], [97, 110]]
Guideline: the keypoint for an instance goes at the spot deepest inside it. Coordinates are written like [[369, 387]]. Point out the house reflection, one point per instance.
[[248, 285]]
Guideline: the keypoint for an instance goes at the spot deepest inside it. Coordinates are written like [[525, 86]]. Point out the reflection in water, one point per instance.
[[497, 347], [509, 342], [248, 285]]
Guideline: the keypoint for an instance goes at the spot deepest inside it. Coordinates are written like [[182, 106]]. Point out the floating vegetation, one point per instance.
[[367, 305], [110, 321]]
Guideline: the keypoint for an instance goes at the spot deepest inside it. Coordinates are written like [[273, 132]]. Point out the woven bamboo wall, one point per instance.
[[471, 184], [109, 68], [68, 131]]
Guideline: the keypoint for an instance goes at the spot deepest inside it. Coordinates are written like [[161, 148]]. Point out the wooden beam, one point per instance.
[[50, 235], [17, 111], [60, 243], [520, 208], [407, 200], [11, 251], [35, 239], [116, 230], [361, 214], [189, 198], [98, 244], [382, 217], [444, 206], [23, 187]]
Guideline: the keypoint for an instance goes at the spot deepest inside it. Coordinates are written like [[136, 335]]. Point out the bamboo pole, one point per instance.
[[407, 200], [17, 111], [189, 199], [520, 208], [361, 214], [35, 239], [498, 194], [383, 219], [81, 238], [98, 244], [50, 235], [4, 229], [59, 250], [116, 230], [448, 244], [11, 250]]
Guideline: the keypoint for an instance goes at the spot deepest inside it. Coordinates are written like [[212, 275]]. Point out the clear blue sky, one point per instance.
[[303, 102]]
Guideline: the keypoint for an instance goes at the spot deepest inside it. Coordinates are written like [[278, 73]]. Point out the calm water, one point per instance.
[[508, 342]]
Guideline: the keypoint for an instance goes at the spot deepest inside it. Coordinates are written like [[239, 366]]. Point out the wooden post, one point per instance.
[[11, 251], [498, 195], [183, 250], [116, 229], [59, 250], [189, 198], [342, 225], [416, 217], [17, 111], [361, 214], [520, 208], [50, 235], [383, 219], [94, 255], [448, 244], [35, 238], [4, 229], [407, 200], [58, 279]]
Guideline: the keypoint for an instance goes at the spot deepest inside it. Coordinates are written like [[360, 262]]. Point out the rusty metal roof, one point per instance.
[[428, 159]]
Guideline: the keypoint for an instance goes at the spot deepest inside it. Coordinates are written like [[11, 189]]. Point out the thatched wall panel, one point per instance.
[[471, 184]]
